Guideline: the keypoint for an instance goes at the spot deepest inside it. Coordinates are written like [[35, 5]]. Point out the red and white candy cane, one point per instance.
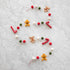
[[47, 23], [15, 31], [47, 40]]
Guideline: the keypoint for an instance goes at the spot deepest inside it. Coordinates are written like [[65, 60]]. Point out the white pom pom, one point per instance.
[[35, 6], [33, 58], [38, 38], [34, 23], [16, 36], [52, 49]]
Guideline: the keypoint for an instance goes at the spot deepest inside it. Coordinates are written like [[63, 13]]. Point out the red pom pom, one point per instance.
[[18, 27], [50, 43], [38, 23], [24, 41], [37, 57], [32, 6], [49, 14]]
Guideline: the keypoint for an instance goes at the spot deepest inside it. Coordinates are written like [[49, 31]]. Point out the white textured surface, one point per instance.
[[14, 56]]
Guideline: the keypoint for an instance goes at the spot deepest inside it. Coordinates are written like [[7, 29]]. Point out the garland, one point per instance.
[[32, 38]]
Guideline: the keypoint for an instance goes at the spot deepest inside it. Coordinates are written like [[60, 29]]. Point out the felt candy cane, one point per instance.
[[15, 31], [47, 40], [47, 23]]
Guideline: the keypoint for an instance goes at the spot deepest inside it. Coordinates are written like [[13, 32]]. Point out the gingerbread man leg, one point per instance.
[[45, 59], [42, 59], [28, 24], [32, 41]]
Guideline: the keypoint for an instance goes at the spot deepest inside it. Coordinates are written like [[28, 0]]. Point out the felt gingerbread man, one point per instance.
[[46, 9], [27, 23], [44, 57]]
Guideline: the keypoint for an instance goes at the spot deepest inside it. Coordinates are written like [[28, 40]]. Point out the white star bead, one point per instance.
[[33, 58], [16, 36], [52, 49], [49, 18]]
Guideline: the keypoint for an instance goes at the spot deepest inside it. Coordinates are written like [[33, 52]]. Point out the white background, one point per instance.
[[13, 55]]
